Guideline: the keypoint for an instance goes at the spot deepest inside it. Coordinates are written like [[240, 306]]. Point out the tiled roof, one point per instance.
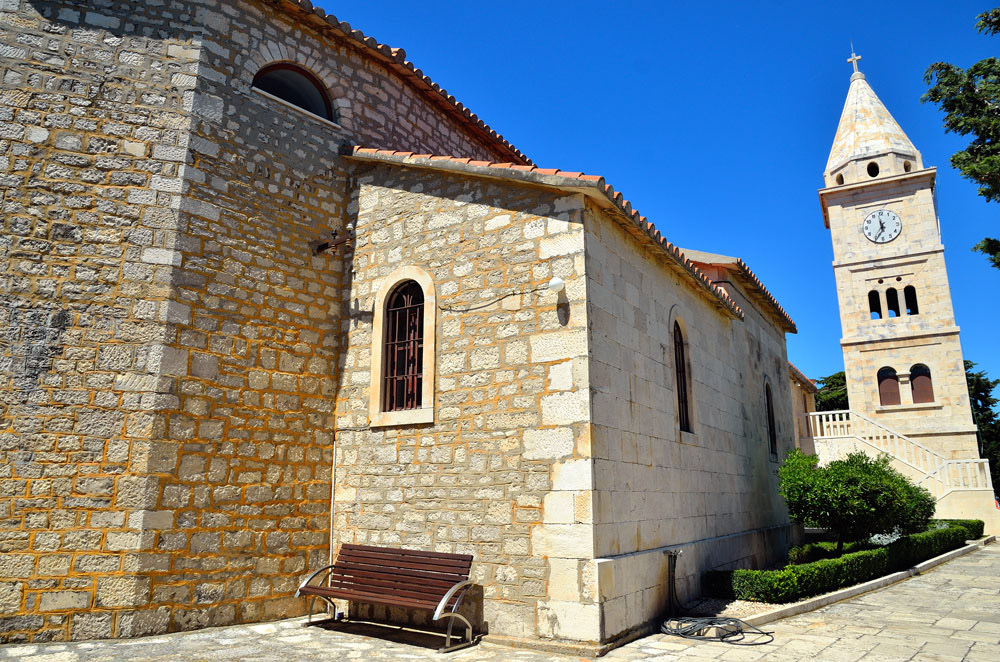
[[758, 291], [802, 379], [591, 184], [395, 59]]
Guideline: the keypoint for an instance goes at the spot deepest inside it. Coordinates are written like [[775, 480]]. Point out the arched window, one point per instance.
[[401, 388], [296, 86], [920, 383], [402, 382], [910, 298], [888, 387], [681, 379], [875, 305], [892, 302], [772, 430]]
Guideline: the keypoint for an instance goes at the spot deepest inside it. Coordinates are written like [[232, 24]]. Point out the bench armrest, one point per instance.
[[460, 586], [327, 569]]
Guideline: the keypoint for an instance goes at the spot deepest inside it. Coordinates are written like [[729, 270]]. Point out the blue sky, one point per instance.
[[715, 120]]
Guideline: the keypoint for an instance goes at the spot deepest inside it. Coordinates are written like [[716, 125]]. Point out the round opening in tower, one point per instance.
[[873, 169], [840, 180], [907, 166]]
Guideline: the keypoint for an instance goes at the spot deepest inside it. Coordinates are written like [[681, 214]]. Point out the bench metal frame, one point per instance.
[[439, 613]]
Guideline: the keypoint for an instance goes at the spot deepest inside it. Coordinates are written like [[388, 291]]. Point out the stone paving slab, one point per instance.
[[950, 614]]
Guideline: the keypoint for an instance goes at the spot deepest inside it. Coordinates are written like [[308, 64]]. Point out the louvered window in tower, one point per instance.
[[920, 384], [888, 387], [404, 348]]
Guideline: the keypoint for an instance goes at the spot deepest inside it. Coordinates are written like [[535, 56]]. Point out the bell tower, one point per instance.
[[902, 355]]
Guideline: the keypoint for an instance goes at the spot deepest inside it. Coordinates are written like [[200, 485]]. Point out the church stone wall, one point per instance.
[[503, 471], [92, 131], [712, 493], [169, 345]]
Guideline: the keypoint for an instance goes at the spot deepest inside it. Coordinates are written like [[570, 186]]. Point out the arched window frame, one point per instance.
[[682, 377], [376, 395], [874, 305], [910, 299], [921, 384], [892, 303], [890, 391], [772, 424], [317, 82]]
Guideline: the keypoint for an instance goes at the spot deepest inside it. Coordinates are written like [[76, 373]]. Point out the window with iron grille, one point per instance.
[[404, 348], [772, 429], [681, 377]]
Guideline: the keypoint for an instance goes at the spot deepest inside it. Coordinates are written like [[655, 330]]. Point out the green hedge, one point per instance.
[[816, 551], [799, 581], [973, 526]]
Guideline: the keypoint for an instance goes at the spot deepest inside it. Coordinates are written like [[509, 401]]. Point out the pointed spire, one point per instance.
[[866, 127]]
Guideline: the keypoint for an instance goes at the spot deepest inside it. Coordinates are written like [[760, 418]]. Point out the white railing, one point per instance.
[[940, 474], [963, 475]]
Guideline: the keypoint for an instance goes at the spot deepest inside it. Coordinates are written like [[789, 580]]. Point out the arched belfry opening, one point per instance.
[[297, 86]]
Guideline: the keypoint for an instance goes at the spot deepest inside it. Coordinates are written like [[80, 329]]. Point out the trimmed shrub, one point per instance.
[[795, 582], [973, 526], [855, 498], [815, 551]]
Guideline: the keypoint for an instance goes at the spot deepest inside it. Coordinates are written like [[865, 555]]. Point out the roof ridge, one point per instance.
[[397, 60], [591, 181]]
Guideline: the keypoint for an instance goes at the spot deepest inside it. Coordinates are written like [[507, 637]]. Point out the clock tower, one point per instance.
[[902, 355]]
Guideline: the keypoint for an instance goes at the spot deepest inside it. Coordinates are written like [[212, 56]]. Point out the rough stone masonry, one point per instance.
[[178, 366]]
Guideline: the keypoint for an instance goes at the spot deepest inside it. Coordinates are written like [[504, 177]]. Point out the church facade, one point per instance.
[[206, 390]]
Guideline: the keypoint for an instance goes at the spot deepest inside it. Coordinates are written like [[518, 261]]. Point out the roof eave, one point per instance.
[[395, 59], [592, 186]]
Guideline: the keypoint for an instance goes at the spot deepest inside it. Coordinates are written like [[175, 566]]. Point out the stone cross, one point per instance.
[[854, 60]]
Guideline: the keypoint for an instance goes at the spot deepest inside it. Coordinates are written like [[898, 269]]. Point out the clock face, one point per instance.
[[882, 226]]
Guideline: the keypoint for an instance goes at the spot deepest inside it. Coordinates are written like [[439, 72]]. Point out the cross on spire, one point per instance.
[[854, 60]]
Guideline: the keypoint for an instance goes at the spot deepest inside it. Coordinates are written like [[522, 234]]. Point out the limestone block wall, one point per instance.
[[803, 402], [91, 122], [944, 425], [930, 337], [169, 347], [709, 493], [503, 472]]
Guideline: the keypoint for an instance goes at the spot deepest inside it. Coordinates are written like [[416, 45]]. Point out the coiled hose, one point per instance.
[[706, 628]]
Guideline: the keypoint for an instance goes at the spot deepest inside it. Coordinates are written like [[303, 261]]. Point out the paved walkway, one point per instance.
[[950, 614]]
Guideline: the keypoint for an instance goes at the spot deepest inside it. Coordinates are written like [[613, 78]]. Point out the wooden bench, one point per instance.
[[397, 578]]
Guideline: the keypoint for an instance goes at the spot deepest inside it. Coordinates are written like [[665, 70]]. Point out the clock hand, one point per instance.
[[879, 233]]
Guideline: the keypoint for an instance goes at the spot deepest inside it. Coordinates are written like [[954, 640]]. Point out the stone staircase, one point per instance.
[[837, 433]]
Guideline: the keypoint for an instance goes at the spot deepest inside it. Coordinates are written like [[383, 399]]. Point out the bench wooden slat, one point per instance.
[[409, 592], [363, 574], [375, 598], [407, 552], [431, 565], [347, 565]]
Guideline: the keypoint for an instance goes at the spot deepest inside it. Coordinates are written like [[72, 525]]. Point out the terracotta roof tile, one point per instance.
[[719, 294], [798, 376]]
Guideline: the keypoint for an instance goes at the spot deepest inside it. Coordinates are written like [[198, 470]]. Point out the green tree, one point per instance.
[[832, 394], [855, 498], [970, 99], [985, 415]]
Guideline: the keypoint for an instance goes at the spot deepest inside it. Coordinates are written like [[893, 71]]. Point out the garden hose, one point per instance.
[[708, 628]]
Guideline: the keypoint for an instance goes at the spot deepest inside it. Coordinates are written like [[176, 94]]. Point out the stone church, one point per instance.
[[267, 288]]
